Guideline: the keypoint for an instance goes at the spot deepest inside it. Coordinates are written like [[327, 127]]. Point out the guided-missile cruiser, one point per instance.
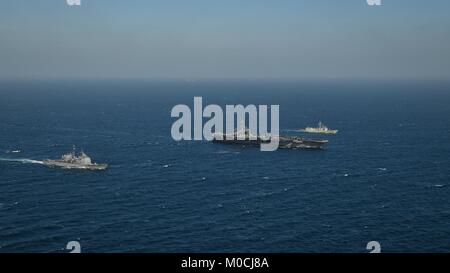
[[74, 161], [321, 129]]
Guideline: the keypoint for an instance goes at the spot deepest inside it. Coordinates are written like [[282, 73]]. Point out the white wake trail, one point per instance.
[[22, 160]]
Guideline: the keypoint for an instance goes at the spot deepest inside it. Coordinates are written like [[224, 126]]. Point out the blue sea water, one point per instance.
[[384, 177]]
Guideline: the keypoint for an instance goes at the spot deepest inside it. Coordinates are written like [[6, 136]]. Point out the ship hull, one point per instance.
[[329, 132], [69, 166], [284, 142]]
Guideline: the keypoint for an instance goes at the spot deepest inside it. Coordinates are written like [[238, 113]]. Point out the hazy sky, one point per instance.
[[196, 39]]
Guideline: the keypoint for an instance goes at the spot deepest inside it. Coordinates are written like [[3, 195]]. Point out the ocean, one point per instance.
[[384, 177]]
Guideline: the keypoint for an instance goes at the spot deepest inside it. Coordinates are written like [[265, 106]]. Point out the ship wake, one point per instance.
[[22, 160]]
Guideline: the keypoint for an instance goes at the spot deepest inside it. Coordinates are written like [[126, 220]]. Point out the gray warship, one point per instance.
[[285, 142], [74, 161], [321, 129]]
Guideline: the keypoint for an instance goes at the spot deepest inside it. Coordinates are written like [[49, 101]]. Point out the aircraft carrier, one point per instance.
[[285, 142]]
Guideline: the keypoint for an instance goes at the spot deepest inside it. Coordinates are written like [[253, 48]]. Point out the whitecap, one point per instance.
[[222, 152]]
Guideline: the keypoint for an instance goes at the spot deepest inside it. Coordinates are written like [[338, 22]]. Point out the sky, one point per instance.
[[222, 39]]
